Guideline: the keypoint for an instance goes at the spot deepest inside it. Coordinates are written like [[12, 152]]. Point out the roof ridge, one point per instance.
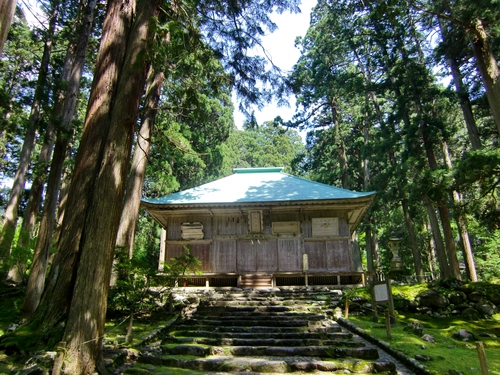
[[258, 170]]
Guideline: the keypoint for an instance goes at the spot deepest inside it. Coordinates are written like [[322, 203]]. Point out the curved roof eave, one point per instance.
[[365, 199], [256, 185]]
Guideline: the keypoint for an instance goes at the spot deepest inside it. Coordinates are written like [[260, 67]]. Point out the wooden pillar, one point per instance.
[[163, 249]]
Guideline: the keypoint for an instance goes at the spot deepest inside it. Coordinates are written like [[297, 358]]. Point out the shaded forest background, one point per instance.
[[104, 104]]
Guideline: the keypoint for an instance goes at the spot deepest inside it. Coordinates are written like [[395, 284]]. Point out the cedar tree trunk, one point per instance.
[[410, 227], [64, 111], [118, 85], [7, 9], [488, 68], [461, 224], [126, 231], [11, 211]]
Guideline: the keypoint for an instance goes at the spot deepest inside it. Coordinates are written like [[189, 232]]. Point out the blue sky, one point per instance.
[[281, 48]]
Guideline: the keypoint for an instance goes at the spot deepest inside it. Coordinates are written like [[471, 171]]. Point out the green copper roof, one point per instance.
[[254, 185]]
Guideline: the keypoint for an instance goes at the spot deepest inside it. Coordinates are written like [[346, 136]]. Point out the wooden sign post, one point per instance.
[[381, 292]]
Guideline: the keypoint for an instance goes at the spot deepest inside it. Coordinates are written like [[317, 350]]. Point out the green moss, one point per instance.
[[145, 369], [446, 353], [12, 301], [116, 329]]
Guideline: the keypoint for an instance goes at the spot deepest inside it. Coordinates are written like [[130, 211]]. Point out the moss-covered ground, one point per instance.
[[446, 353]]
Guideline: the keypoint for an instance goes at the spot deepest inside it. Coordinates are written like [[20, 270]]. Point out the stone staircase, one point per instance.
[[256, 331]]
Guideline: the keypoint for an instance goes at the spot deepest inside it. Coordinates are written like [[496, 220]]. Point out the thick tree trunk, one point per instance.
[[410, 227], [63, 199], [462, 93], [63, 111], [126, 231], [370, 264], [488, 68], [111, 116], [7, 10], [463, 97], [449, 240], [341, 152], [444, 267], [11, 211], [461, 224], [431, 253], [444, 215]]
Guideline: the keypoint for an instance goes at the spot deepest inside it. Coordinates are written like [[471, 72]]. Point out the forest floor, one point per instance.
[[445, 354]]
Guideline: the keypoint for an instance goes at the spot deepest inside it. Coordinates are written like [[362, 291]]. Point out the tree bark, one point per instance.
[[341, 152], [444, 214], [64, 111], [488, 68], [410, 227], [37, 187], [126, 230], [11, 211], [35, 199], [462, 93], [7, 10], [461, 224], [444, 267], [370, 264], [111, 116]]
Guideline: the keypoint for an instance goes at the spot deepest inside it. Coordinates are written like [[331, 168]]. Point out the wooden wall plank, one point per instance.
[[316, 254], [172, 252], [267, 256], [246, 258], [202, 253], [230, 225], [223, 256], [338, 257], [289, 255]]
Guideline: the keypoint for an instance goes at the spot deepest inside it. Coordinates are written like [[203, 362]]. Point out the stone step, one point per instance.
[[274, 351], [256, 317], [287, 305], [246, 322], [262, 331], [225, 341], [263, 335], [270, 365], [243, 328], [265, 314], [270, 298]]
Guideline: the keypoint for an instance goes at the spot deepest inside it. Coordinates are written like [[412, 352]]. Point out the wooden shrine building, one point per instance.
[[261, 227]]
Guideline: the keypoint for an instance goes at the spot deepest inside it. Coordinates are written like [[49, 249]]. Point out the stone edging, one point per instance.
[[413, 364]]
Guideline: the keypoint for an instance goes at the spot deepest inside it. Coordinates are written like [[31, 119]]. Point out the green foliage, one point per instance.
[[18, 71], [12, 299], [267, 145], [140, 288], [487, 256], [233, 29], [368, 91], [477, 175]]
